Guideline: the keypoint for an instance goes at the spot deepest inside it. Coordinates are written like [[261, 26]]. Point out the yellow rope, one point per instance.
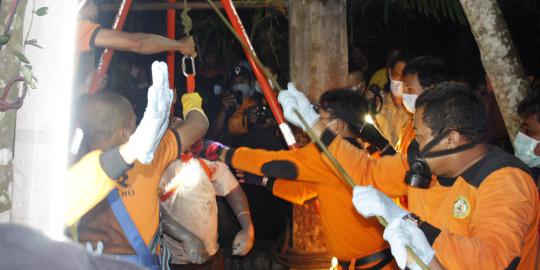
[[186, 20]]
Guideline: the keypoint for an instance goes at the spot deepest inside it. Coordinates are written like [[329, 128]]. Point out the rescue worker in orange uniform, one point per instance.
[[125, 224], [98, 172], [418, 75], [352, 239], [481, 212]]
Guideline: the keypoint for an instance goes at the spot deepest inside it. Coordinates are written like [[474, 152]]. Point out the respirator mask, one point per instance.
[[419, 174]]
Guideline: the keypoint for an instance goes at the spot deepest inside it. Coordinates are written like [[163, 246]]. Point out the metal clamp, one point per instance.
[[192, 65]]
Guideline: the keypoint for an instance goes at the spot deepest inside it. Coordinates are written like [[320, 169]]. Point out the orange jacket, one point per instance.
[[348, 235], [238, 123], [86, 32], [487, 218], [406, 136], [140, 197]]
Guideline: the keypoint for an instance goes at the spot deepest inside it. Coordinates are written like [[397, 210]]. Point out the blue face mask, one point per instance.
[[244, 88], [524, 146]]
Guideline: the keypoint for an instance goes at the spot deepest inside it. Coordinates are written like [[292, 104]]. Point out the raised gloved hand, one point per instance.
[[370, 202], [144, 141], [401, 233], [293, 99], [208, 149], [243, 242]]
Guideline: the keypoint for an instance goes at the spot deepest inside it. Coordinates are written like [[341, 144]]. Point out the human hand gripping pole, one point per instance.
[[144, 141], [347, 179], [292, 99]]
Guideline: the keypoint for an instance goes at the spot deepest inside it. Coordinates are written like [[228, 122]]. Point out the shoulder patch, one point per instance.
[[494, 160]]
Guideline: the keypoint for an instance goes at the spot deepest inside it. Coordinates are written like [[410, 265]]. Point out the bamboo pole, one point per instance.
[[347, 179]]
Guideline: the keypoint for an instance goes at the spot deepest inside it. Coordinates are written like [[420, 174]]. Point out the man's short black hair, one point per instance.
[[101, 114], [429, 69], [346, 104], [396, 57], [452, 105], [530, 105]]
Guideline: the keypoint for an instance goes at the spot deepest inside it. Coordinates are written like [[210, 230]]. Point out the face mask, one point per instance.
[[244, 88], [396, 87], [524, 146], [419, 174], [217, 89], [409, 101]]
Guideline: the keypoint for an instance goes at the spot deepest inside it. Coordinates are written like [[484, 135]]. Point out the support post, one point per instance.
[[318, 62]]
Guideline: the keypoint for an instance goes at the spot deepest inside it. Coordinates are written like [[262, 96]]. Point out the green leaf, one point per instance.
[[27, 73], [42, 11], [33, 42], [4, 39], [22, 57]]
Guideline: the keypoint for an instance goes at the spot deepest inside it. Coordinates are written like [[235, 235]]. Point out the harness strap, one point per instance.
[[145, 257]]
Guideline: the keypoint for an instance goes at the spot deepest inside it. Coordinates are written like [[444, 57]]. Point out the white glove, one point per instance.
[[144, 141], [401, 233], [370, 202], [243, 242], [293, 99]]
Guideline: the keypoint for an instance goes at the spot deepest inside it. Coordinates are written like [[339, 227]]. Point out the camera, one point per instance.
[[262, 112]]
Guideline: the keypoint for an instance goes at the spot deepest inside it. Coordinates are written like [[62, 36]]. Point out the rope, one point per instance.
[[186, 20]]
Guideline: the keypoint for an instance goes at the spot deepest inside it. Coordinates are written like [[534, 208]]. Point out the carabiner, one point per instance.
[[192, 66]]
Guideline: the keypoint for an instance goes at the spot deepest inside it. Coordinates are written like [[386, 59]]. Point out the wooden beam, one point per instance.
[[318, 62], [180, 5]]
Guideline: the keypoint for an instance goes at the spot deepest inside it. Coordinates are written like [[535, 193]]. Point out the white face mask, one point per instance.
[[217, 89], [409, 101], [244, 88], [524, 146], [396, 87]]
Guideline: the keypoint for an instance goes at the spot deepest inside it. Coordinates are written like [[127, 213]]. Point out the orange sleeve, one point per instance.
[[167, 150], [505, 207], [406, 136], [386, 173], [86, 31], [238, 124], [301, 164], [294, 191]]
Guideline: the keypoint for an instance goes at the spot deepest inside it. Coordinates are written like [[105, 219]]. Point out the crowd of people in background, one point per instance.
[[429, 154]]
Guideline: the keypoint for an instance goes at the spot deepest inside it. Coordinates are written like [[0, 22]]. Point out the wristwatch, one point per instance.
[[264, 181], [414, 219]]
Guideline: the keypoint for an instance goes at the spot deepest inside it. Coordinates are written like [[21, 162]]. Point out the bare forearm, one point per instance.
[[238, 201], [192, 130], [152, 43]]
